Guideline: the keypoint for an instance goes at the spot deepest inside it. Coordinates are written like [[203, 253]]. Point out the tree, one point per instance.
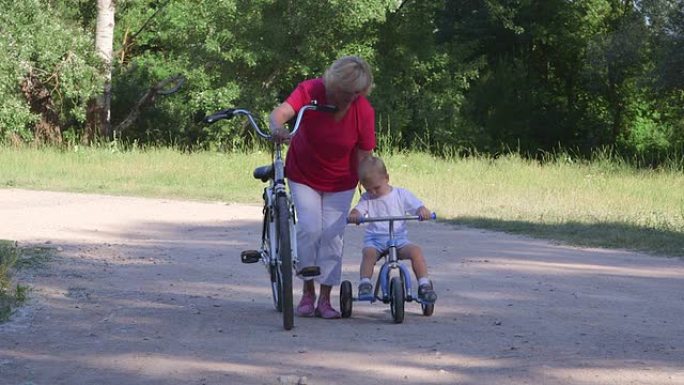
[[104, 43], [47, 72], [420, 80], [231, 53]]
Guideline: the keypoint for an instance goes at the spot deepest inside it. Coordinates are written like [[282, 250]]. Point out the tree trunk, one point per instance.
[[149, 99], [104, 45]]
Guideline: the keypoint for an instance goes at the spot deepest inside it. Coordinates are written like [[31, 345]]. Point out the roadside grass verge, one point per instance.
[[599, 203], [602, 203], [154, 172], [11, 294]]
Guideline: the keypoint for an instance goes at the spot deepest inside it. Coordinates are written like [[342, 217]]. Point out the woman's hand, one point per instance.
[[277, 119], [280, 135]]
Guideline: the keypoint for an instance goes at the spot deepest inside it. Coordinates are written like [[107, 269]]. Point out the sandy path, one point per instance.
[[147, 291]]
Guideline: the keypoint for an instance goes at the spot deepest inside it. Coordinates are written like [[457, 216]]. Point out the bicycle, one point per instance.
[[393, 285], [278, 251]]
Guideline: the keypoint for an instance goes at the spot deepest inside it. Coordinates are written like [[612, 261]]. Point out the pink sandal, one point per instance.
[[325, 310], [306, 305]]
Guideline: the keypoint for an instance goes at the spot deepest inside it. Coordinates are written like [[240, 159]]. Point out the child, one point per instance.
[[380, 200]]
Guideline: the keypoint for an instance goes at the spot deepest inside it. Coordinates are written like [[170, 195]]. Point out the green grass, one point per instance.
[[603, 203], [150, 173], [10, 295]]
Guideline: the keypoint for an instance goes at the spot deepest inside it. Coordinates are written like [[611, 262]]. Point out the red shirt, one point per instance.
[[323, 153]]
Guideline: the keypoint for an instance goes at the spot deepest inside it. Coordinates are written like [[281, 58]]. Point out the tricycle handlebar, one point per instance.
[[396, 218]]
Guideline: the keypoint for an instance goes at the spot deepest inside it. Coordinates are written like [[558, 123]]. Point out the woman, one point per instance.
[[321, 169]]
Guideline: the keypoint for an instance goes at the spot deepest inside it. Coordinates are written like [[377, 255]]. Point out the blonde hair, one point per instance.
[[371, 166], [349, 73]]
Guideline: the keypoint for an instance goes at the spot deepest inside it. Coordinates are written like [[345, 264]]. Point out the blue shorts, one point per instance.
[[379, 242]]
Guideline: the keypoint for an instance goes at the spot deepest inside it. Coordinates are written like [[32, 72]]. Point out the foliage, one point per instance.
[[232, 54], [451, 76], [420, 84], [49, 71]]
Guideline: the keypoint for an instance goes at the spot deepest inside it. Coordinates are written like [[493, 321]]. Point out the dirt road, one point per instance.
[[147, 291]]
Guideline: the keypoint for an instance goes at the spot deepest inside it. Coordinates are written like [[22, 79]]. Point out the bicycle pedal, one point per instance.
[[310, 271], [250, 256]]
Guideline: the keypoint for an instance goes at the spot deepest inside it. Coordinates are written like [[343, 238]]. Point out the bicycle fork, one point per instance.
[[392, 263], [385, 276]]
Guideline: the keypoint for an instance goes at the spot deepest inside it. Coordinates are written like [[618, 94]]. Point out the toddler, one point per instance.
[[381, 200]]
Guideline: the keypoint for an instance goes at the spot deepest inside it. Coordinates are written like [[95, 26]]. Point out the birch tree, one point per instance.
[[104, 42]]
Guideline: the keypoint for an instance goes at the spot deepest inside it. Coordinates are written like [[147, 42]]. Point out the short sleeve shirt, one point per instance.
[[398, 202], [323, 153]]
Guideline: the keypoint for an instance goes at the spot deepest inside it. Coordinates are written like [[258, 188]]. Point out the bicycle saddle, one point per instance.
[[264, 173]]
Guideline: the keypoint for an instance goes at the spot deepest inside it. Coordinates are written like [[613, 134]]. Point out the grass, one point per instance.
[[150, 173], [602, 203], [10, 295]]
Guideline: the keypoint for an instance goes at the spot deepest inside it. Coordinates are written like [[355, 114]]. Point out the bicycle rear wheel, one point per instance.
[[284, 275]]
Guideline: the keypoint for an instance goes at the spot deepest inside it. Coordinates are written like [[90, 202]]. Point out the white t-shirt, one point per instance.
[[398, 202]]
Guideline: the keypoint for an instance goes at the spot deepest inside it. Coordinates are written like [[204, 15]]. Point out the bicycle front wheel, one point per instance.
[[285, 266]]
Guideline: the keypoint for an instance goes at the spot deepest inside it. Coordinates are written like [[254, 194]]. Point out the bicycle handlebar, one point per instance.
[[396, 218], [231, 112]]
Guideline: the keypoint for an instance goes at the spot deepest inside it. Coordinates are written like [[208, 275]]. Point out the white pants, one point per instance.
[[321, 220]]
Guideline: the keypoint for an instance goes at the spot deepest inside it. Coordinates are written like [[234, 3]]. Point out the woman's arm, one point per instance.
[[362, 154], [279, 116]]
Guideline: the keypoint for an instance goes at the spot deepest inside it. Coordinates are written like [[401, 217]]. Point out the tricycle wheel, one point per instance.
[[346, 299], [397, 299]]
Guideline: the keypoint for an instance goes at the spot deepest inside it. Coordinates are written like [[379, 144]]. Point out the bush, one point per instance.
[[49, 69]]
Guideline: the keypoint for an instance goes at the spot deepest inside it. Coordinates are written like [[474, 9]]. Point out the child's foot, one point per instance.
[[306, 305], [365, 291], [325, 310], [426, 293]]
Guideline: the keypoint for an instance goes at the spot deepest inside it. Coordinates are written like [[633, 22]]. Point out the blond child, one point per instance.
[[380, 200]]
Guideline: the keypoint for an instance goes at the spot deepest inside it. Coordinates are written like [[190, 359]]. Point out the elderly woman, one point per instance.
[[321, 168]]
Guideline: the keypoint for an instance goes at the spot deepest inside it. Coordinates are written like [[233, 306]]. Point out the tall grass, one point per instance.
[[10, 295], [602, 202]]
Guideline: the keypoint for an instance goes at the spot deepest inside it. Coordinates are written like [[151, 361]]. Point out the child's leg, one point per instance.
[[370, 257], [415, 254], [425, 290]]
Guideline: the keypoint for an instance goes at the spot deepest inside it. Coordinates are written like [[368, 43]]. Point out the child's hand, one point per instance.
[[354, 217], [424, 213]]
